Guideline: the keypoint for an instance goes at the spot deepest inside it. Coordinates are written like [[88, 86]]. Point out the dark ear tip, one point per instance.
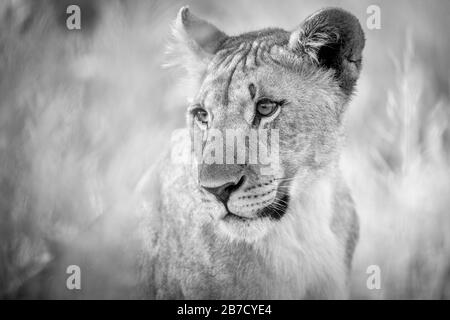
[[345, 20], [349, 28], [334, 14], [341, 40]]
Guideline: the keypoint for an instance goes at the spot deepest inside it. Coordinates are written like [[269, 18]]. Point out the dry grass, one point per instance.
[[400, 181]]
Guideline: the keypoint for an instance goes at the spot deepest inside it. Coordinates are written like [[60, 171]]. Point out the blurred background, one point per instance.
[[84, 113]]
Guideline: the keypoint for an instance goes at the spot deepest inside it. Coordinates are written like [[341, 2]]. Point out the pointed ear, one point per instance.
[[332, 38], [195, 41]]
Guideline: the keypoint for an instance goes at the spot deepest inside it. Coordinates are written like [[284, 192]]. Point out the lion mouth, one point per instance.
[[274, 211], [231, 216]]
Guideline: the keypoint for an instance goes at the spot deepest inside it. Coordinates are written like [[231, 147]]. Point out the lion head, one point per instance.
[[269, 93]]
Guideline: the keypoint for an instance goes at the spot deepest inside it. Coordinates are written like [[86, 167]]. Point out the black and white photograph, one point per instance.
[[224, 150]]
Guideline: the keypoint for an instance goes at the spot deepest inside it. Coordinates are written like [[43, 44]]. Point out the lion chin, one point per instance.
[[250, 230], [236, 227]]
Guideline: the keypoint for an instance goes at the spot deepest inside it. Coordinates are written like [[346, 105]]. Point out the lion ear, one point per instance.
[[332, 38], [194, 41]]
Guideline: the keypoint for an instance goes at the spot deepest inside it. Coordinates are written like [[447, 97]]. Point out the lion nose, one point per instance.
[[223, 192]]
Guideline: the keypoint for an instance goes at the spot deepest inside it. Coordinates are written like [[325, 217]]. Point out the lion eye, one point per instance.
[[266, 107], [201, 115]]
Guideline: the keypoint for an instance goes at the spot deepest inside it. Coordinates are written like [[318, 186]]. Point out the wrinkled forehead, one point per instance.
[[236, 72], [227, 88]]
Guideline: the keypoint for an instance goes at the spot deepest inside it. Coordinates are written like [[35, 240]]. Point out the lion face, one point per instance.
[[265, 120]]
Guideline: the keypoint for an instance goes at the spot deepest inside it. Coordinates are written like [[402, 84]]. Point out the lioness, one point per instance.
[[226, 231]]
